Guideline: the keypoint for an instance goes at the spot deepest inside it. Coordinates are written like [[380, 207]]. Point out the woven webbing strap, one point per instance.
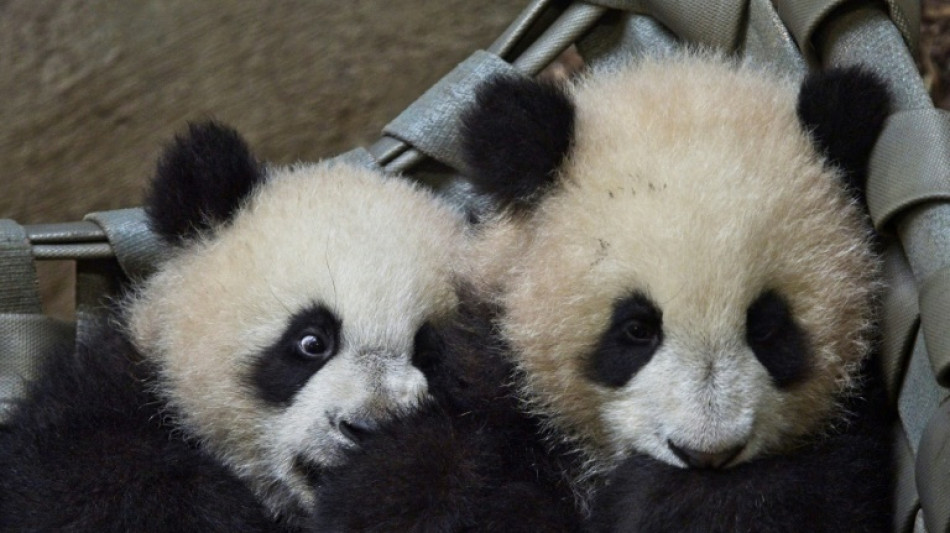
[[935, 320], [26, 335], [137, 249], [933, 470], [19, 291], [700, 21], [431, 124], [803, 17], [899, 317], [911, 163]]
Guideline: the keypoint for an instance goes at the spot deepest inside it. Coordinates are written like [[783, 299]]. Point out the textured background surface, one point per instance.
[[91, 89]]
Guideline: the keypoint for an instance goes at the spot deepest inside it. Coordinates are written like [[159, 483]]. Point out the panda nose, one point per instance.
[[357, 429], [700, 459]]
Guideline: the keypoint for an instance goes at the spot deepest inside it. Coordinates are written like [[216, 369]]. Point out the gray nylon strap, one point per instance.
[[137, 249], [803, 16], [906, 501], [19, 292], [899, 317], [715, 24], [933, 467], [432, 123], [935, 321], [25, 340], [358, 156], [911, 163], [26, 336], [919, 395]]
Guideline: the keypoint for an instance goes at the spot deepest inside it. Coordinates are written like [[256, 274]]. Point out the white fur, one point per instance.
[[691, 181], [379, 252]]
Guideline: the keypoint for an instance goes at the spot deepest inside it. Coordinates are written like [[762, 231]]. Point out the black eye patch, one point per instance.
[[427, 348], [776, 339], [628, 344], [311, 338]]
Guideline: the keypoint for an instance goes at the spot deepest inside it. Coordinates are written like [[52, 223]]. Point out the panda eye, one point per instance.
[[763, 333], [640, 332], [315, 346]]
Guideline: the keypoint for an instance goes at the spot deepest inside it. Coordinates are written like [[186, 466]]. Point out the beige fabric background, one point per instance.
[[90, 89]]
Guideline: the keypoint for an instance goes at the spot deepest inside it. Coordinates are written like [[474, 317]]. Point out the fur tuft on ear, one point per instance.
[[515, 138], [201, 180], [844, 109]]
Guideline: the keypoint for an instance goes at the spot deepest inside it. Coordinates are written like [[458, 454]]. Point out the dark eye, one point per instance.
[[776, 339], [637, 331], [315, 346], [762, 332]]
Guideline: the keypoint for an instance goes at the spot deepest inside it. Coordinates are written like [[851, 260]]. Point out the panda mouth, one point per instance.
[[702, 459]]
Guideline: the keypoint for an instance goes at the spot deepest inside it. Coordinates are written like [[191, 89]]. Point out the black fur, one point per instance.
[[88, 451], [285, 367], [467, 461], [845, 111], [777, 340], [842, 482], [201, 180], [515, 138], [634, 335]]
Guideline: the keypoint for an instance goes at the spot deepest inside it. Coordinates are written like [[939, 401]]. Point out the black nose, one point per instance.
[[357, 429], [700, 459]]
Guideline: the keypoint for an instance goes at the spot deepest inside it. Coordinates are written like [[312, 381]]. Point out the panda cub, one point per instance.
[[689, 285], [286, 322]]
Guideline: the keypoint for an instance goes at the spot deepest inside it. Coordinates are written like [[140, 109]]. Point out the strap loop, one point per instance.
[[715, 24], [803, 17], [19, 290], [910, 163], [935, 321], [136, 248], [432, 123]]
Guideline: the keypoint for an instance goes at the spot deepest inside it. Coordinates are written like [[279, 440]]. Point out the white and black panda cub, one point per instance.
[[286, 321], [689, 285]]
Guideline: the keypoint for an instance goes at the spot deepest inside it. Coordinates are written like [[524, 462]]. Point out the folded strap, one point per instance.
[[136, 247], [715, 24], [899, 318], [802, 17], [432, 123], [933, 471], [19, 290], [935, 322], [26, 335], [910, 163]]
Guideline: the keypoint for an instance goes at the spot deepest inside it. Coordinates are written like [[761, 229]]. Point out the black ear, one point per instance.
[[201, 180], [515, 138], [844, 109]]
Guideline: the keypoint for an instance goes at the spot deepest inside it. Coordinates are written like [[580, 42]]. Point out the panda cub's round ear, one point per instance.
[[201, 180], [515, 137], [844, 110]]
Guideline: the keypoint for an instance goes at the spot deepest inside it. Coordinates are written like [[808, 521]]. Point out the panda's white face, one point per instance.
[[286, 334], [699, 286]]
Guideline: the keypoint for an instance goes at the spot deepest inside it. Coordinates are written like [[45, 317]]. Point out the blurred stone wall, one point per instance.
[[91, 89]]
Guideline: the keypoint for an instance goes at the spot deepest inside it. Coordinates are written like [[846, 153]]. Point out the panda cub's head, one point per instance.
[[684, 267], [294, 307]]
